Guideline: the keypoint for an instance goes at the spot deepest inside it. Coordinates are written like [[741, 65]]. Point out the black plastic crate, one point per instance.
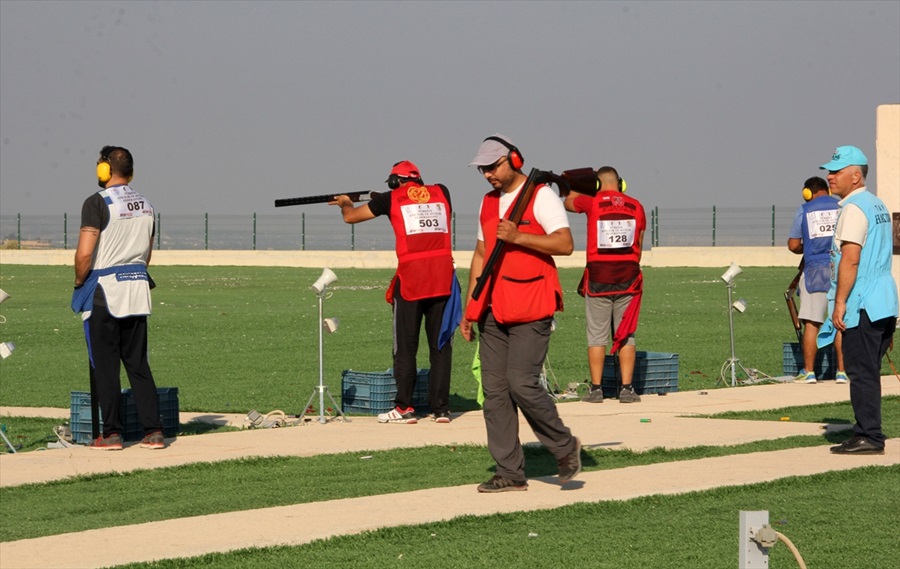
[[80, 415], [371, 393]]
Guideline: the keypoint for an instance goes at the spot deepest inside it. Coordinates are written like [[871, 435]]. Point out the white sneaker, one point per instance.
[[395, 416]]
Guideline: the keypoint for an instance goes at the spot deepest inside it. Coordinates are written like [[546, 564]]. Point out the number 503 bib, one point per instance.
[[424, 218]]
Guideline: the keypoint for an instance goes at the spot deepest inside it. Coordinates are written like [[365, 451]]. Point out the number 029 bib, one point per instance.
[[424, 218], [821, 223], [615, 233]]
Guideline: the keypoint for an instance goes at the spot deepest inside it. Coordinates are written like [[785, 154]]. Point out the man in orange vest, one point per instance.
[[424, 283], [515, 315]]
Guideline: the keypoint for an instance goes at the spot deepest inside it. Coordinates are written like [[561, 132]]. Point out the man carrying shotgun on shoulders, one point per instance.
[[514, 310]]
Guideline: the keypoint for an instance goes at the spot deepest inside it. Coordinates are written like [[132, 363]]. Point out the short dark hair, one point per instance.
[[120, 160], [816, 184], [607, 170], [865, 170]]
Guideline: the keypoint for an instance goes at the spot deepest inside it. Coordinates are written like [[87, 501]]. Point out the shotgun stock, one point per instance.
[[791, 304], [362, 196]]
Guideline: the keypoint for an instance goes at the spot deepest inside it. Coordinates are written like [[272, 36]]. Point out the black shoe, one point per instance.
[[857, 445], [499, 484], [443, 417], [570, 466]]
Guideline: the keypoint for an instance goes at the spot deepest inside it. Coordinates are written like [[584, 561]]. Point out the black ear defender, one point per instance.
[[515, 157], [394, 181]]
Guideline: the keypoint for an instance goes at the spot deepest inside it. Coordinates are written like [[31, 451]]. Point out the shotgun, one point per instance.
[[518, 210], [363, 196], [792, 305]]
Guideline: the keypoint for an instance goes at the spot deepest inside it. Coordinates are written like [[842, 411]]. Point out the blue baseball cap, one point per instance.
[[845, 156]]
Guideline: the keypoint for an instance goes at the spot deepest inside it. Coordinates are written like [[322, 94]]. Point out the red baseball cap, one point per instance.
[[405, 169]]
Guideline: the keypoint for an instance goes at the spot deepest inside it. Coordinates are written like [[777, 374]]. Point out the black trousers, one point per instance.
[[408, 316], [864, 347], [112, 341]]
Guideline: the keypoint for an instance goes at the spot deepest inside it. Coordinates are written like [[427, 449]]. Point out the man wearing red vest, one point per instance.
[[424, 283], [514, 315], [612, 281]]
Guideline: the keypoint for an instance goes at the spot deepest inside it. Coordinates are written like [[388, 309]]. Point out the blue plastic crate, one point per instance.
[[371, 393], [825, 363], [654, 372], [80, 415]]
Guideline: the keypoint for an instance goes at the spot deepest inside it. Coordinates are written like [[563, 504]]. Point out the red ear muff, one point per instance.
[[515, 157]]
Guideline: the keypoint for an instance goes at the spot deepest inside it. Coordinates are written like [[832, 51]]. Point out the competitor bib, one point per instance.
[[128, 202], [821, 223], [615, 233], [424, 218]]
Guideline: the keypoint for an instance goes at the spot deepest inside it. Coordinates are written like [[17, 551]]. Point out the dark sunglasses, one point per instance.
[[491, 167]]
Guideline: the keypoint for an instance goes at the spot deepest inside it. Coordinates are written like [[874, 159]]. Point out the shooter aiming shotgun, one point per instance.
[[361, 196]]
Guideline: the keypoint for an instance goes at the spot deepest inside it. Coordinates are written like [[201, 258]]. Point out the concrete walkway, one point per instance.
[[608, 425]]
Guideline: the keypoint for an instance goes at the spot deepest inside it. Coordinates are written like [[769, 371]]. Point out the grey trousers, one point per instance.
[[511, 361]]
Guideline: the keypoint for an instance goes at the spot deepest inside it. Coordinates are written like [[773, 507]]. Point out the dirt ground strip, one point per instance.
[[657, 421]]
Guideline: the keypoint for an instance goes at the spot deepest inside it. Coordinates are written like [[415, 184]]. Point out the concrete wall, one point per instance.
[[658, 257], [887, 182]]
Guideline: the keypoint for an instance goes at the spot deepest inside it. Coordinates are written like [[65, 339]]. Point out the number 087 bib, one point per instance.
[[615, 233]]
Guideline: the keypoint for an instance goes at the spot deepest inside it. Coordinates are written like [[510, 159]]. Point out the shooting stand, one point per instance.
[[733, 363], [322, 389]]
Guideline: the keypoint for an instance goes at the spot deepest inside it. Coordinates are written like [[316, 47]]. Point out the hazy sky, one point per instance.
[[230, 105]]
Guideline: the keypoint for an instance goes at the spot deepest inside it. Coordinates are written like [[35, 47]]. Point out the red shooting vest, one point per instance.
[[420, 216], [612, 269], [524, 286]]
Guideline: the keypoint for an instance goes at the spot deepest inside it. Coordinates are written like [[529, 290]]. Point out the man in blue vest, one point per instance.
[[810, 236], [862, 300]]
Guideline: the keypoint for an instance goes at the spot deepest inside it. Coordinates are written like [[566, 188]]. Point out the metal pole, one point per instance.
[[65, 231], [773, 225], [657, 227], [714, 226], [303, 231], [454, 230], [19, 230], [321, 361], [206, 231], [733, 360], [254, 231], [158, 230], [353, 238]]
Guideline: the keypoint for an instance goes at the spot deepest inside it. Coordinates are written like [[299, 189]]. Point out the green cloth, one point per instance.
[[476, 371]]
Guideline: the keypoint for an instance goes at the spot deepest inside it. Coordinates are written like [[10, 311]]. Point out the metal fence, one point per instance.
[[667, 227]]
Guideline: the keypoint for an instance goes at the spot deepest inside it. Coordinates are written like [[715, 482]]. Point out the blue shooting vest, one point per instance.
[[874, 290], [818, 232]]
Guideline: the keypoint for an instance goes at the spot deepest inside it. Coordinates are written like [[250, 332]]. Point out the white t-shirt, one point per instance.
[[548, 209], [852, 225]]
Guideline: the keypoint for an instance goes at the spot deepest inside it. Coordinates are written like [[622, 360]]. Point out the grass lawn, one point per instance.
[[239, 338]]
